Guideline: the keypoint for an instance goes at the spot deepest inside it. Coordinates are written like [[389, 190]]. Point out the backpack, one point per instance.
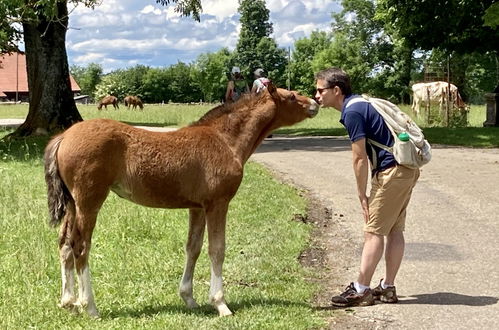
[[262, 84], [413, 153]]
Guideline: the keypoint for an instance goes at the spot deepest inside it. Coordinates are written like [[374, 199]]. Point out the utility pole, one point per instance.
[[289, 71]]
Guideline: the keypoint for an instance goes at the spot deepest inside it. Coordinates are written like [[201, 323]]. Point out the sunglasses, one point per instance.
[[321, 90]]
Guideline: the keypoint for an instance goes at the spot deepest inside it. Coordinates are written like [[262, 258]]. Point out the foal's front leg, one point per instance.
[[193, 246], [215, 219]]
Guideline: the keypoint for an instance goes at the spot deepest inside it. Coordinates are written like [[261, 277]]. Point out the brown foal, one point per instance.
[[199, 167]]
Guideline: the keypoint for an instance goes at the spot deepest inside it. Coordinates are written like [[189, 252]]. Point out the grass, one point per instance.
[[325, 123], [137, 258]]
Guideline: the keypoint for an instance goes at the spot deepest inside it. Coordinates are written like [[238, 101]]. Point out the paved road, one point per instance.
[[450, 275]]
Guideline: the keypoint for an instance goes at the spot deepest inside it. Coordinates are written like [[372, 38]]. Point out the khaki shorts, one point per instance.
[[391, 191]]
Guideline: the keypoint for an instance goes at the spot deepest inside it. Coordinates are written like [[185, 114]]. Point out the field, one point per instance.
[[137, 258], [137, 255]]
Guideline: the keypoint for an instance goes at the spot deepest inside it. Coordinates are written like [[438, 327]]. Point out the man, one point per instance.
[[261, 81], [391, 187]]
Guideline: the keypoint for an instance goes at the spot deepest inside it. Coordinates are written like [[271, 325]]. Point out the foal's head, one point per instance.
[[291, 107]]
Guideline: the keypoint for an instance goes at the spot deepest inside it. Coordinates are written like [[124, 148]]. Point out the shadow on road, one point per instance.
[[449, 298], [309, 143]]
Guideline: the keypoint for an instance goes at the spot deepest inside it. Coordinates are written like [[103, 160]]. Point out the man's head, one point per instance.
[[333, 85], [259, 73], [236, 71]]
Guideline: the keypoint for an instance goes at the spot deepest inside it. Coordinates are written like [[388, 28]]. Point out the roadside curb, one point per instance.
[[10, 123]]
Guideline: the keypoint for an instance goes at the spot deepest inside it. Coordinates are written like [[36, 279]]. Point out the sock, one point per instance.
[[384, 286], [360, 288]]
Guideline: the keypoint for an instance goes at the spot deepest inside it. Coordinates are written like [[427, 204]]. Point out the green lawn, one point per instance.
[[325, 123], [137, 258]]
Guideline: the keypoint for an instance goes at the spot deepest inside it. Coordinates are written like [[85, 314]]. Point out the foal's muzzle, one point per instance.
[[313, 108]]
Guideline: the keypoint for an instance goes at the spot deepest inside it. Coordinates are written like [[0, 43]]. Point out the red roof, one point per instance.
[[8, 74]]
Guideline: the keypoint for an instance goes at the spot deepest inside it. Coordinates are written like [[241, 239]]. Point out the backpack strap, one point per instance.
[[371, 142]]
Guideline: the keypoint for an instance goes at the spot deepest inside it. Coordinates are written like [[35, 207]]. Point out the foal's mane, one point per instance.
[[246, 100]]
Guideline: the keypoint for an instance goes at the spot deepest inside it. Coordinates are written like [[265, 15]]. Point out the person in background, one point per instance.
[[259, 84], [236, 85], [384, 211], [261, 81]]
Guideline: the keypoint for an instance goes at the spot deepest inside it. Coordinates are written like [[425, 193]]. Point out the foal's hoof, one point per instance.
[[82, 308], [223, 310], [191, 304], [67, 303]]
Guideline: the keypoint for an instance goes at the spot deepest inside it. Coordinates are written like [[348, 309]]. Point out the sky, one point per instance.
[[124, 33]]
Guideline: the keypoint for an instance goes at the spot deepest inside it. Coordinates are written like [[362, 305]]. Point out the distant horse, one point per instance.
[[106, 100], [199, 167], [133, 101]]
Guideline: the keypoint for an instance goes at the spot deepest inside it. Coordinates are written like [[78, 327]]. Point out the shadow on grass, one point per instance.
[[204, 310], [21, 149], [478, 137]]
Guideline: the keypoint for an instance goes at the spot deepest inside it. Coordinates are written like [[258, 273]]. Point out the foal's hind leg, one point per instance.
[[215, 220], [192, 249], [81, 242], [68, 297]]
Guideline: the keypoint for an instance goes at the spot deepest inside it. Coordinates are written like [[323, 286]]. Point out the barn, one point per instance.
[[14, 78]]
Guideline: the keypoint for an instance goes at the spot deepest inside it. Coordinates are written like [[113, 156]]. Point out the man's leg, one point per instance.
[[395, 245], [371, 255]]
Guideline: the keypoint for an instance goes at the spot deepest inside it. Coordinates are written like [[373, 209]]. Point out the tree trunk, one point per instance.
[[51, 103], [405, 76]]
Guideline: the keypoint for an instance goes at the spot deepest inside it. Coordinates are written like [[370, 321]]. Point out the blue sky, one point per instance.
[[124, 33]]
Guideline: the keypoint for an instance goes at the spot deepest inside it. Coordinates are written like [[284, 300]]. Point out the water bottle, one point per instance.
[[403, 150], [403, 136]]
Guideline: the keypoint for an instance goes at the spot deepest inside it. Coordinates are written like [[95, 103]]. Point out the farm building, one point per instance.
[[14, 78]]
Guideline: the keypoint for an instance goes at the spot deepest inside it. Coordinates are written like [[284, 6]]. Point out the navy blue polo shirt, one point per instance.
[[363, 121]]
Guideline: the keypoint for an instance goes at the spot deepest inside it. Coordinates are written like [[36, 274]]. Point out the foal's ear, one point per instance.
[[272, 89]]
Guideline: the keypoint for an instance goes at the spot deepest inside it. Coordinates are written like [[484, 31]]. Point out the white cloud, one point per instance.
[[119, 33], [220, 8]]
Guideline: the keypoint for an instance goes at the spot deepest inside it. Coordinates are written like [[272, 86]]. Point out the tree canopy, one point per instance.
[[453, 25], [255, 48]]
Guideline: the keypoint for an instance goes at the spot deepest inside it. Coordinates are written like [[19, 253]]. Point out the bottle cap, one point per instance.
[[404, 136]]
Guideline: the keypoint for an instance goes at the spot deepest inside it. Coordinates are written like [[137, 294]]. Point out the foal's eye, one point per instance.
[[293, 97]]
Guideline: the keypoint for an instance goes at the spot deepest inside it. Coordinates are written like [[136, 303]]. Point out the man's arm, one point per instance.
[[228, 92], [361, 170]]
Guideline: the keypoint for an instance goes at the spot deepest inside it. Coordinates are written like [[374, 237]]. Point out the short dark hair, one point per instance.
[[336, 77]]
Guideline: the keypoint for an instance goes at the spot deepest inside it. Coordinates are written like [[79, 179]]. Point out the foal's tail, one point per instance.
[[58, 193]]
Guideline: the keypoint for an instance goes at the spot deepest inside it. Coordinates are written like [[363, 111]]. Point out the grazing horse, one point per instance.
[[106, 100], [199, 167], [133, 101]]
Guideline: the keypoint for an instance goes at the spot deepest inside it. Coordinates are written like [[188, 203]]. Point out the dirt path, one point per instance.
[[449, 278]]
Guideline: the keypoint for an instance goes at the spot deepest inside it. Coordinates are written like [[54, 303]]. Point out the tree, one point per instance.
[[156, 86], [305, 49], [452, 25], [255, 49], [211, 74], [491, 17], [44, 25], [87, 77]]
